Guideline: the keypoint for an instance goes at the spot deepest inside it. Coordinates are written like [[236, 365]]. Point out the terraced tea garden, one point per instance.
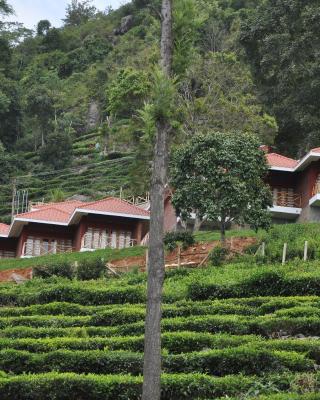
[[91, 174], [240, 331]]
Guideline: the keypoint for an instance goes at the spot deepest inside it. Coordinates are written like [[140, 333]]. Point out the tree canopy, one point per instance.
[[282, 43], [79, 11], [219, 176]]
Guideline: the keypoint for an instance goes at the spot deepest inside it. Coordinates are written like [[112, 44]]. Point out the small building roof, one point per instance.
[[70, 212], [279, 161], [67, 206], [45, 215], [114, 206]]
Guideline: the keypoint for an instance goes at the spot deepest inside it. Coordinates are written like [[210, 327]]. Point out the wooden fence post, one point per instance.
[[179, 256], [305, 252], [263, 249], [284, 253]]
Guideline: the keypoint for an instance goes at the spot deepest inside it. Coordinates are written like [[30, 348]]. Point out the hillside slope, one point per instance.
[[239, 332], [87, 82]]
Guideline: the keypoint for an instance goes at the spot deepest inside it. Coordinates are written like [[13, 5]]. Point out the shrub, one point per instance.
[[172, 239], [61, 268], [69, 386], [91, 269], [246, 360], [218, 255]]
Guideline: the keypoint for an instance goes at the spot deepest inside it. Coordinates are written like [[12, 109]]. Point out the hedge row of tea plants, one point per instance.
[[246, 360]]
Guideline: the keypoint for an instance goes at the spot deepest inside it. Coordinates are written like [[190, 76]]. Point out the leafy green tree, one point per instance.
[[220, 177], [78, 12], [57, 152], [187, 21], [5, 8], [282, 43], [127, 92], [52, 40], [5, 55], [9, 165], [43, 27], [10, 111], [218, 94], [40, 105]]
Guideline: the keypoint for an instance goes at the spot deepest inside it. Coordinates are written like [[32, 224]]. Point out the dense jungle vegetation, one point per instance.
[[74, 97]]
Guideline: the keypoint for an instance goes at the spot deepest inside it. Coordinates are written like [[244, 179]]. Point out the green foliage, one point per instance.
[[57, 196], [185, 238], [5, 7], [63, 269], [91, 269], [111, 387], [221, 177], [57, 151], [218, 94], [222, 348], [9, 164], [78, 12], [216, 362], [295, 236], [187, 22], [218, 255], [127, 92], [280, 39], [10, 108], [43, 27]]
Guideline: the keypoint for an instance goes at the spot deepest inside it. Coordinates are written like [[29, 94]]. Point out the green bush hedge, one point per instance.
[[91, 269], [75, 293], [245, 360], [266, 283], [218, 255], [62, 268], [53, 386], [172, 239]]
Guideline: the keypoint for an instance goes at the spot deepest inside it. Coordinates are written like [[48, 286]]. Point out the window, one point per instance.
[[38, 247], [96, 238]]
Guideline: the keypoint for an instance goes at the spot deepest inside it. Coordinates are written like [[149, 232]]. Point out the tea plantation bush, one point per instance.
[[240, 331]]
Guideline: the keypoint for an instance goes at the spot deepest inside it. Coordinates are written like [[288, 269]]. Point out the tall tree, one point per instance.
[[43, 27], [220, 176], [79, 12], [5, 8], [152, 348], [282, 42], [218, 94]]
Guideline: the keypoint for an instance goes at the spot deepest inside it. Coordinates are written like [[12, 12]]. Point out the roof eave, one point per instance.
[[283, 169], [82, 211]]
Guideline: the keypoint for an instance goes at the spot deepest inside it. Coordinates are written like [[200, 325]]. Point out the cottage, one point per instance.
[[295, 186], [74, 226]]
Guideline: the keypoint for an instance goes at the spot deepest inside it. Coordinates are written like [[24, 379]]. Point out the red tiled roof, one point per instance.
[[277, 160], [316, 150], [49, 214], [115, 205], [4, 229], [61, 212], [67, 206]]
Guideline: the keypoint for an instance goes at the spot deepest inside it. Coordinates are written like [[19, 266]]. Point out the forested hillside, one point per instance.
[[74, 99]]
